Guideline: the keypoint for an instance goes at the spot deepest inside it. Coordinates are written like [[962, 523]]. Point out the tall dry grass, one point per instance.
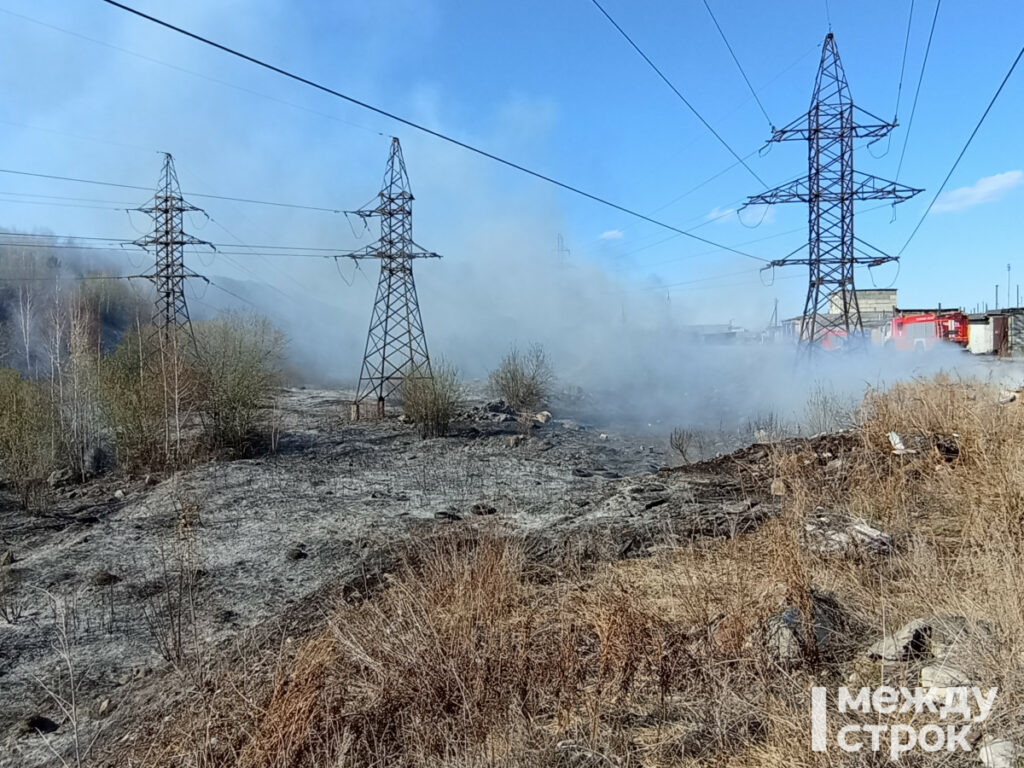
[[471, 656]]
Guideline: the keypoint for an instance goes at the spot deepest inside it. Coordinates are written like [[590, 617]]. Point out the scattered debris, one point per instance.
[[6, 558], [1007, 396], [297, 552], [483, 508], [778, 487], [784, 633], [833, 534], [445, 514], [906, 644], [898, 448], [952, 650]]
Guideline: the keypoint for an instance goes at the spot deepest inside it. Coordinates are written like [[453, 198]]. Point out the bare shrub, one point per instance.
[[167, 395], [27, 435], [766, 427], [826, 410], [688, 443], [238, 368], [170, 613], [66, 691], [431, 398], [12, 601], [149, 388], [523, 379]]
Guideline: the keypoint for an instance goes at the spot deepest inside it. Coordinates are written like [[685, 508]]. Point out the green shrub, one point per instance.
[[432, 401], [523, 379], [27, 425]]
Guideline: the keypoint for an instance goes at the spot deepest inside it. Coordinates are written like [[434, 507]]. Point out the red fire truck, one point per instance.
[[914, 330]]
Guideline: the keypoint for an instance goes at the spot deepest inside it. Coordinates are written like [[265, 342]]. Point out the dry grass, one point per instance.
[[431, 399], [467, 657], [523, 379]]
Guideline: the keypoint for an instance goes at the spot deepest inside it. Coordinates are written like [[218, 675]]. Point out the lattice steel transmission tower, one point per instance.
[[830, 189], [168, 241], [396, 345]]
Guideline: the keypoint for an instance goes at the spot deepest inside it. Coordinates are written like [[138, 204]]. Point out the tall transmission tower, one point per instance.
[[830, 189], [168, 241], [396, 345]]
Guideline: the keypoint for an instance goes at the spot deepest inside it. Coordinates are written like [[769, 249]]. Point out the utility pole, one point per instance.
[[561, 251], [830, 188], [396, 345], [168, 241], [1007, 286]]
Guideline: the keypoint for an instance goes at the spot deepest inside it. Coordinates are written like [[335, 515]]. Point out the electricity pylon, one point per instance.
[[396, 345], [168, 241], [830, 189]]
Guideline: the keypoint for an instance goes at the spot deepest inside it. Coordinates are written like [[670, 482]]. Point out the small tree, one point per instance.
[[432, 401], [523, 379]]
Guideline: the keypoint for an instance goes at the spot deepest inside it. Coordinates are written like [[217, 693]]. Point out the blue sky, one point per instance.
[[549, 85]]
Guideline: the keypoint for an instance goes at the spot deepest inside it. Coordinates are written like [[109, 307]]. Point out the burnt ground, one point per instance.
[[250, 541]]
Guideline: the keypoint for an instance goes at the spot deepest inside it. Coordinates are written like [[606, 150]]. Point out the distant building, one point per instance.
[[999, 332], [872, 301], [711, 333], [877, 308]]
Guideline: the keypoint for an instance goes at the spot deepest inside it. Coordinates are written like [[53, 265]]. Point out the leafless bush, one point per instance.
[[766, 427], [826, 410], [12, 601], [167, 395], [688, 443], [170, 613], [149, 387], [523, 379], [431, 398], [27, 435], [66, 690], [239, 366]]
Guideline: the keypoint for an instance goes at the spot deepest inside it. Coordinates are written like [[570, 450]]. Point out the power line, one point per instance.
[[59, 278], [111, 249], [917, 91], [419, 127], [65, 197], [738, 65], [732, 165], [903, 64], [963, 151], [667, 82], [119, 241], [190, 194]]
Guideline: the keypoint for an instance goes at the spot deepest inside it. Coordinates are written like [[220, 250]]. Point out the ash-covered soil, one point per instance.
[[118, 566]]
